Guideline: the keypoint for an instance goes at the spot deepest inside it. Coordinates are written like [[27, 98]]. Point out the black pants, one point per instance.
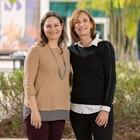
[[50, 130], [85, 127]]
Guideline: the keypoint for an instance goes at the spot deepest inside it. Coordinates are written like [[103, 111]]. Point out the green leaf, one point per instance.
[[12, 1]]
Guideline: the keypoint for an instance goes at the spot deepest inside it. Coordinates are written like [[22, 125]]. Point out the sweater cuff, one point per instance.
[[106, 108]]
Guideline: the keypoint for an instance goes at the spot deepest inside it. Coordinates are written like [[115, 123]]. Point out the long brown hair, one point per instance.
[[43, 39], [74, 35]]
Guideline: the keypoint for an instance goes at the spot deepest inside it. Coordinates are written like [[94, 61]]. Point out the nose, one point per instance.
[[52, 27], [81, 23]]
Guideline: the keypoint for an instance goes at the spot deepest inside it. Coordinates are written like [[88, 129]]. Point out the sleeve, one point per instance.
[[30, 71], [106, 108], [109, 74]]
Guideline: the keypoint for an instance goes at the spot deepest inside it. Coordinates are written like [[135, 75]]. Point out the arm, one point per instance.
[[109, 73], [110, 81], [30, 73], [35, 115]]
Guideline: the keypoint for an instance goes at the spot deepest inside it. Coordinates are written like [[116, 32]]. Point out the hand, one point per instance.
[[36, 119], [102, 118]]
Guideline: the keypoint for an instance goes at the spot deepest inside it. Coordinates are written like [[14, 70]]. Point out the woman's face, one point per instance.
[[52, 28], [82, 24]]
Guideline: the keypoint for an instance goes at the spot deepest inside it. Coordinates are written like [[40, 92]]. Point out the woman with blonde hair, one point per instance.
[[94, 79]]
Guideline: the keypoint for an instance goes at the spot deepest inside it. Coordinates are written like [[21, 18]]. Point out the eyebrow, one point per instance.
[[82, 19], [52, 23]]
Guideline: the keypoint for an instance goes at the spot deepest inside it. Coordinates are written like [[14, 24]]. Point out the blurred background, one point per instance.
[[118, 21]]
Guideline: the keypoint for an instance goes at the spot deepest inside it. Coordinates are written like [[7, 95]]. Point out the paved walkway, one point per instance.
[[24, 139], [12, 139]]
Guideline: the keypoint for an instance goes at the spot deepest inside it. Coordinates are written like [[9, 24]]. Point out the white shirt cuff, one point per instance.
[[106, 108]]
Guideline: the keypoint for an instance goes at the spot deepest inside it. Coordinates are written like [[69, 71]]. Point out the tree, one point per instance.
[[12, 1], [123, 24]]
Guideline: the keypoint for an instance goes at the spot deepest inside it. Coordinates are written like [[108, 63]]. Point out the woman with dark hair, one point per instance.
[[46, 81], [94, 79]]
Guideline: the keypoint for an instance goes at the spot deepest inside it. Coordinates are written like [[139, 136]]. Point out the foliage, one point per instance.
[[126, 106], [123, 24], [12, 1], [125, 8], [11, 102], [127, 94]]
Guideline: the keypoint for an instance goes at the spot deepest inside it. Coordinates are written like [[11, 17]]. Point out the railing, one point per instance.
[[8, 63]]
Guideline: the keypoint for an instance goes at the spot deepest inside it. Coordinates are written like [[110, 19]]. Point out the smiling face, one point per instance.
[[52, 28], [83, 25]]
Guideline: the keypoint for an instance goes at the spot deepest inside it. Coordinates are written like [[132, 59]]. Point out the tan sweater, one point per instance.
[[41, 79]]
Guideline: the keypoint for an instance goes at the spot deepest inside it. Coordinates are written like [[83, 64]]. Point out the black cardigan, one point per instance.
[[94, 75]]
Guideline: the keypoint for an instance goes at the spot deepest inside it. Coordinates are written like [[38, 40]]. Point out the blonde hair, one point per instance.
[[74, 35]]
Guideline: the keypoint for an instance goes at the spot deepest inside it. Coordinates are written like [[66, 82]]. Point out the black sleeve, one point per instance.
[[109, 73]]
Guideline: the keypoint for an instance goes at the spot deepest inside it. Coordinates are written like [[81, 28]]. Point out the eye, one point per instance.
[[48, 26], [76, 22], [85, 20], [56, 25]]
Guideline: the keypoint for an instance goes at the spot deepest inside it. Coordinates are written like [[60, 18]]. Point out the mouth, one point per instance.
[[54, 33], [82, 29]]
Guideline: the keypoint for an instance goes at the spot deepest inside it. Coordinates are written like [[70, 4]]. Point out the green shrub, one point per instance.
[[126, 106], [11, 103], [127, 94]]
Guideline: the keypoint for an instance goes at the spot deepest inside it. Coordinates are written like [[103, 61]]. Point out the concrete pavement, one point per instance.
[[24, 139], [12, 139]]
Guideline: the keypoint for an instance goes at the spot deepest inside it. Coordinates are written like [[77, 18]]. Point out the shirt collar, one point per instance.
[[94, 42]]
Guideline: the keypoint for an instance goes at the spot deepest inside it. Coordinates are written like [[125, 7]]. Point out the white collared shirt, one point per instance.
[[89, 109], [94, 42]]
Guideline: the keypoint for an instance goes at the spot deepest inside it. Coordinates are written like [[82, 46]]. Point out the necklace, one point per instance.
[[61, 75]]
